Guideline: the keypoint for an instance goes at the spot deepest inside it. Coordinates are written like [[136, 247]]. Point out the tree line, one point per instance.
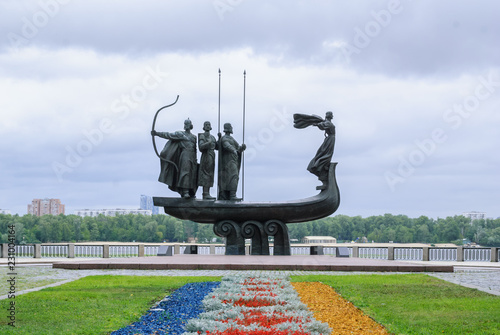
[[159, 228]]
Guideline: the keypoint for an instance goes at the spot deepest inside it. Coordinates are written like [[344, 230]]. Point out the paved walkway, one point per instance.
[[484, 276], [279, 263], [487, 280]]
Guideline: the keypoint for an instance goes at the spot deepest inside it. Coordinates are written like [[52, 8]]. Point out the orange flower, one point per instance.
[[341, 315]]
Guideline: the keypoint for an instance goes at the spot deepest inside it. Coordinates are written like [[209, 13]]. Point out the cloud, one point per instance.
[[400, 37], [80, 90]]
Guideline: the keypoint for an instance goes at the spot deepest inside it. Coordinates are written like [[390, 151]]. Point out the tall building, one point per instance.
[[147, 203], [473, 215], [39, 207]]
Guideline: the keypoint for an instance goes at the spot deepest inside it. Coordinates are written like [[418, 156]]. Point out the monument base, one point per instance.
[[235, 234]]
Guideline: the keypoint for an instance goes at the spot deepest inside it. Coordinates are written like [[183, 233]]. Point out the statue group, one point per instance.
[[181, 172], [238, 221]]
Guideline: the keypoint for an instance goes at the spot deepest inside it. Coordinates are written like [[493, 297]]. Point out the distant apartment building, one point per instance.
[[111, 212], [39, 207], [147, 203], [319, 239], [474, 215], [4, 211]]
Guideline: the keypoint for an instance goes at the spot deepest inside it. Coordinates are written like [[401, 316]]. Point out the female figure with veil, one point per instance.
[[320, 164]]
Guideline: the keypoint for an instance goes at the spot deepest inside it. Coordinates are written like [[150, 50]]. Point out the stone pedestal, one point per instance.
[[235, 234]]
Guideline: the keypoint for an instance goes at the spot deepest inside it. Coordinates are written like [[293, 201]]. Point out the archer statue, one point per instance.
[[178, 164], [320, 164]]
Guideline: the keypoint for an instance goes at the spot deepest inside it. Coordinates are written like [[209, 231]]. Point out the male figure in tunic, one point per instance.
[[181, 150], [229, 167], [207, 144], [320, 164]]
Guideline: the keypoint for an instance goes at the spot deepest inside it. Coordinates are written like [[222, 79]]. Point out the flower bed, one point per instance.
[[262, 305], [255, 305]]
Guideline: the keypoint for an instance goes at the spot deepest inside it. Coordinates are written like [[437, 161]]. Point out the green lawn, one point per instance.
[[418, 304], [91, 305]]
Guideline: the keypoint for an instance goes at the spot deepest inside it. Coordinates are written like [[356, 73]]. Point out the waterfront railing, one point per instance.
[[399, 252]]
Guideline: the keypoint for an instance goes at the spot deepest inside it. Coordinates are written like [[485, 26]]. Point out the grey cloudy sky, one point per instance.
[[414, 87]]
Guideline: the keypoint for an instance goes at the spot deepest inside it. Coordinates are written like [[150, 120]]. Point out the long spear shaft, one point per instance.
[[219, 147], [218, 115], [243, 153]]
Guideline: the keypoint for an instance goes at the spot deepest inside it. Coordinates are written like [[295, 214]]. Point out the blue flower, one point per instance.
[[171, 314]]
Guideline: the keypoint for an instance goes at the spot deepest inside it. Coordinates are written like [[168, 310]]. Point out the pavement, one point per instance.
[[247, 262], [484, 276]]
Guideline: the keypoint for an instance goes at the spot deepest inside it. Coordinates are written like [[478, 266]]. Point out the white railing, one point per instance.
[[89, 251], [123, 251], [25, 251], [54, 251], [329, 251], [442, 254], [296, 250], [151, 250], [220, 250], [477, 254], [203, 250], [400, 252], [408, 254], [373, 253]]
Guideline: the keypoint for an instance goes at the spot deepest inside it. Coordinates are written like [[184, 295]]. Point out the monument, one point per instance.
[[231, 217]]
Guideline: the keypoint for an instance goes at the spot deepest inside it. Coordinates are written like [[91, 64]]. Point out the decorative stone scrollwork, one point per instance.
[[255, 230], [235, 243], [279, 230], [236, 233]]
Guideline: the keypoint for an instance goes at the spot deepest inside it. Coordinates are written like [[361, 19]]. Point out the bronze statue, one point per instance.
[[207, 144], [233, 219], [320, 164], [230, 163], [180, 150]]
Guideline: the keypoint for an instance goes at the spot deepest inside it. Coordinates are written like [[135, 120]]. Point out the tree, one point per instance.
[[19, 232], [179, 232], [403, 234], [67, 234], [422, 234], [494, 238], [448, 230], [148, 233], [205, 233]]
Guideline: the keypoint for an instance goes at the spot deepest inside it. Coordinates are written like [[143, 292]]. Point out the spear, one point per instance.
[[218, 115], [243, 153], [219, 146]]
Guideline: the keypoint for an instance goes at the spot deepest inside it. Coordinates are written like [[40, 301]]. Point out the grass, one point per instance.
[[91, 305], [404, 304], [417, 303]]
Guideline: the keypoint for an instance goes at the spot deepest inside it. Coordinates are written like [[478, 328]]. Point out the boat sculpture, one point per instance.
[[240, 220]]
